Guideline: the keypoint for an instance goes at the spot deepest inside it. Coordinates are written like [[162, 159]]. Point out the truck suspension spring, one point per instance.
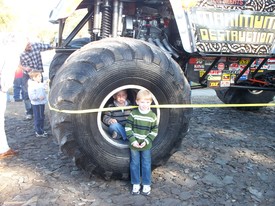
[[106, 19]]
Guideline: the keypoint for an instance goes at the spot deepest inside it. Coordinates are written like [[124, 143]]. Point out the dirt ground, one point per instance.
[[227, 158]]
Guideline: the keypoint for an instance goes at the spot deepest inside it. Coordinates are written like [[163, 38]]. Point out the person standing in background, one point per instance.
[[38, 96], [9, 52], [18, 84], [31, 59]]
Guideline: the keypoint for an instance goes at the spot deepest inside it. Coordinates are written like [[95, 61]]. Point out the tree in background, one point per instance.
[[6, 17], [31, 18], [28, 17]]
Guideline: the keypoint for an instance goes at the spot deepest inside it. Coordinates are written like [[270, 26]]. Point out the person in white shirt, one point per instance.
[[10, 49]]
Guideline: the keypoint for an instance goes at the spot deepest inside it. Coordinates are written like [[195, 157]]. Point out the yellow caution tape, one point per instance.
[[211, 105], [84, 111], [163, 106]]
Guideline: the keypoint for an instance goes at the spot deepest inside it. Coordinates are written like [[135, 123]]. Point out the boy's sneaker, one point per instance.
[[40, 135], [146, 190], [45, 133], [28, 117], [136, 189], [114, 135]]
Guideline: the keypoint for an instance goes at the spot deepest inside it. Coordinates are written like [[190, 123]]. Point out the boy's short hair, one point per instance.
[[144, 94], [34, 73], [124, 90]]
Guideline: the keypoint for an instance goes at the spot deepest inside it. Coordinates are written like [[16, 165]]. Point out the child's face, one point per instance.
[[38, 78], [121, 97], [144, 104]]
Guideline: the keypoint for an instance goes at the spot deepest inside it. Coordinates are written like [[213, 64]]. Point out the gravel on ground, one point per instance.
[[227, 158]]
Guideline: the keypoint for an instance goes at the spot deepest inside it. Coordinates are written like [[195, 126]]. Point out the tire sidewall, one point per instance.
[[91, 139]]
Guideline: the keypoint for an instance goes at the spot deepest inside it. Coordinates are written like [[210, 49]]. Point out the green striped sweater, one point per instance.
[[141, 127]]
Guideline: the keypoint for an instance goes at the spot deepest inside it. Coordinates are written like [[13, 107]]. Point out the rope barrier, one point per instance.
[[163, 106]]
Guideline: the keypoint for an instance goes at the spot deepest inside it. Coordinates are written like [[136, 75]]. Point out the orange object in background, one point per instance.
[[18, 72]]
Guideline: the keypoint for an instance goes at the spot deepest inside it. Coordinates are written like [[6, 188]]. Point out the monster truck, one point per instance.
[[160, 45]]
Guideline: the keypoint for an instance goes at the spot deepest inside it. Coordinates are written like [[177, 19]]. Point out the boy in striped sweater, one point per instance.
[[141, 129]]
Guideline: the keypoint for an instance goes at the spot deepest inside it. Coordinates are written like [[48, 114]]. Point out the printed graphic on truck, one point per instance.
[[227, 26]]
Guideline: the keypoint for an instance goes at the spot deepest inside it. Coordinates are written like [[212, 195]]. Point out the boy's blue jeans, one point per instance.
[[39, 116], [119, 129], [140, 159]]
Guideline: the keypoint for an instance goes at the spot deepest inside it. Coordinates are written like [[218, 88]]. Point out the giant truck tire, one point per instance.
[[57, 61], [88, 80], [244, 96], [60, 57]]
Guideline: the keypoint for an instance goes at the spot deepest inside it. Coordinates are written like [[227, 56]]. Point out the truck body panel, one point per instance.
[[224, 27], [204, 30]]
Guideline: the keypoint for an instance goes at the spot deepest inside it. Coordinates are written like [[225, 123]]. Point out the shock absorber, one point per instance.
[[96, 19], [115, 18], [106, 18], [90, 29]]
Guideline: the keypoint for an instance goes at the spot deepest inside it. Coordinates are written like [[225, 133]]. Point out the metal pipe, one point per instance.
[[150, 40], [244, 70], [96, 28], [115, 18], [60, 32], [119, 23], [77, 29], [253, 88], [159, 44], [167, 46], [259, 67], [90, 27], [209, 69]]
